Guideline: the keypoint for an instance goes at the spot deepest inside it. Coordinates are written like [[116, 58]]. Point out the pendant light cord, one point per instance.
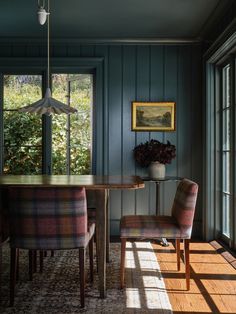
[[48, 74]]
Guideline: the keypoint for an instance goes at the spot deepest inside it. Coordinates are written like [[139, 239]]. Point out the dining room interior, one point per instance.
[[117, 156]]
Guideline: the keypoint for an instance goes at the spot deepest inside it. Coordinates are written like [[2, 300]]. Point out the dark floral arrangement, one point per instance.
[[154, 150]]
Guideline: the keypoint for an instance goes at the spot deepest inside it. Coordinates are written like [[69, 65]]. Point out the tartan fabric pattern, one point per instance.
[[178, 225], [147, 226], [43, 218], [184, 206]]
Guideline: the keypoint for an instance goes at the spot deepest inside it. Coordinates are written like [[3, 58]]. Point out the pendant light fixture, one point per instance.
[[42, 14], [47, 105]]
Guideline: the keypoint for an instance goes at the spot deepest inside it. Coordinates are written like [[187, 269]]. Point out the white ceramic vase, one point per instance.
[[157, 170]]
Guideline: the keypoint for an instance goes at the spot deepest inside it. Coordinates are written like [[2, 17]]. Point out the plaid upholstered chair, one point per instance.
[[49, 219], [177, 226]]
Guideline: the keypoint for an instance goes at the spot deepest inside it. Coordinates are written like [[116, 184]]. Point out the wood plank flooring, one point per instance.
[[213, 279]]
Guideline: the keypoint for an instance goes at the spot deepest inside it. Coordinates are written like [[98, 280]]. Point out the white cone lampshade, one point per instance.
[[48, 106]]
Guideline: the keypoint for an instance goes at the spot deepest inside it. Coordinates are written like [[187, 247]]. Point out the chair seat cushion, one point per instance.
[[143, 226]]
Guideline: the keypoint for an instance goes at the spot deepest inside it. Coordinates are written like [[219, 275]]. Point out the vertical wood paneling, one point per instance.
[[142, 94], [155, 73], [59, 51], [73, 51], [103, 51], [128, 137], [170, 94], [184, 122], [19, 51], [32, 51], [156, 94], [115, 125], [6, 51], [87, 51], [196, 125]]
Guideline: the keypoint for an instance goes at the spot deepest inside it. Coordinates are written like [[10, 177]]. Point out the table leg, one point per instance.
[[107, 229], [157, 198], [101, 221], [163, 240]]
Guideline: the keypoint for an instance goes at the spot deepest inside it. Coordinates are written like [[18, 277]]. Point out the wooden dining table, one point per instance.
[[101, 185]]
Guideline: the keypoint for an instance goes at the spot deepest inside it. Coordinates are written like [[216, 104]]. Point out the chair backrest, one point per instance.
[[183, 208], [48, 218]]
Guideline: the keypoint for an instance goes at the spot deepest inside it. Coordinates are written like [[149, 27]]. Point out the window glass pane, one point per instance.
[[59, 123], [22, 131], [80, 160], [226, 129], [22, 160], [226, 215], [226, 172], [21, 90], [72, 134], [226, 86]]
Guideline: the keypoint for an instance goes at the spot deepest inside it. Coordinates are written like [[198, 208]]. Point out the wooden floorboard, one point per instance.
[[213, 280]]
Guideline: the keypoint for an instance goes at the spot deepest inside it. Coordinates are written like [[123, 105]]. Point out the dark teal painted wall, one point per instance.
[[149, 73]]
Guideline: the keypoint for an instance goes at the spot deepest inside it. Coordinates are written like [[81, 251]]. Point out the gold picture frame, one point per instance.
[[153, 116]]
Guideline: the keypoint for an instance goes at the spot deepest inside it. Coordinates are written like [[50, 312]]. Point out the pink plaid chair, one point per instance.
[[177, 226], [49, 219]]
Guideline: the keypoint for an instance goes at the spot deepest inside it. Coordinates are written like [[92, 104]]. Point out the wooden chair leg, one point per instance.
[[30, 265], [13, 275], [52, 253], [177, 247], [82, 275], [187, 263], [122, 263], [41, 256], [34, 261], [91, 258], [17, 264]]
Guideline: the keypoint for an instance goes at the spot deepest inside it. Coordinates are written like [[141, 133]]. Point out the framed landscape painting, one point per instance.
[[153, 116]]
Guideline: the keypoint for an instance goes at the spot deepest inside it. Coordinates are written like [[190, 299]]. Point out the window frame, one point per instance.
[[213, 128], [64, 65]]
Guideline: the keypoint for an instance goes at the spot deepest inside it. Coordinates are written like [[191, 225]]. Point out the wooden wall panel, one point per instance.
[[145, 73], [115, 83], [142, 94], [170, 94], [128, 137]]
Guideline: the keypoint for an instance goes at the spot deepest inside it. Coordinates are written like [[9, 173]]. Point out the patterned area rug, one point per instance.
[[57, 290]]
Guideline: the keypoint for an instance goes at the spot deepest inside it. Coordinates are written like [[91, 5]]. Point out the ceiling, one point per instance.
[[109, 18]]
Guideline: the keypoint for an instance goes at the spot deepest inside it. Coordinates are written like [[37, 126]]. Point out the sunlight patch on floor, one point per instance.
[[148, 287]]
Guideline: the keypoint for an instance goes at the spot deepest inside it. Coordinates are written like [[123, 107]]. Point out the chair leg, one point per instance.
[[82, 275], [122, 263], [17, 264], [13, 275], [41, 256], [34, 257], [30, 265], [91, 242], [177, 247], [187, 264]]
